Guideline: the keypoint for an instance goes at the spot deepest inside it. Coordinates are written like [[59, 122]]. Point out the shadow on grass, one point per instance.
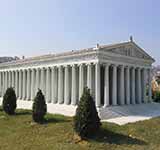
[[110, 137], [1, 109], [55, 120], [19, 113]]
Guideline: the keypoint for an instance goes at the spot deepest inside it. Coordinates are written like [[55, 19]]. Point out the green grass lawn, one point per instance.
[[20, 133]]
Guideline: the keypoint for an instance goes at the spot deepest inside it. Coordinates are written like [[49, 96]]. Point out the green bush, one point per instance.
[[157, 96], [86, 120], [9, 101], [39, 107]]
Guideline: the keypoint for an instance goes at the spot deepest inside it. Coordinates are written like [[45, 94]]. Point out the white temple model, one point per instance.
[[118, 74]]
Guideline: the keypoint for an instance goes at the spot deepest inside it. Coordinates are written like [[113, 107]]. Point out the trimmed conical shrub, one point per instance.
[[39, 107], [9, 101], [86, 120]]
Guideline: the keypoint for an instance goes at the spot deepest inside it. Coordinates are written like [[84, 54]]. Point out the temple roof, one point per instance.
[[119, 48]]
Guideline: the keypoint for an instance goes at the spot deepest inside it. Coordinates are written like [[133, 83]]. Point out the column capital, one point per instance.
[[81, 64], [121, 66], [107, 64], [54, 67], [114, 65], [38, 68], [73, 65], [66, 65], [47, 68], [60, 66], [128, 66]]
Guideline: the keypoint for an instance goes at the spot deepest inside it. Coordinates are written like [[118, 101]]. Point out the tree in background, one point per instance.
[[9, 101]]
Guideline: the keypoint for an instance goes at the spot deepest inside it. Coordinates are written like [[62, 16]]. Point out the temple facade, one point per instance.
[[118, 74]]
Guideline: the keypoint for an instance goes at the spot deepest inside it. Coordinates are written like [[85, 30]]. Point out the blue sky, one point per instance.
[[35, 27]]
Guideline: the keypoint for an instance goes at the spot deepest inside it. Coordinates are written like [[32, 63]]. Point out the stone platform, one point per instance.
[[115, 114], [130, 113]]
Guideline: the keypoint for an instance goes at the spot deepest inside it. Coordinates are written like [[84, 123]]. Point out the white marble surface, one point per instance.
[[117, 114], [67, 110]]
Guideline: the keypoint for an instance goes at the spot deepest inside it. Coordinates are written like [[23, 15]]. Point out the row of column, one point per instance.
[[109, 84], [124, 85]]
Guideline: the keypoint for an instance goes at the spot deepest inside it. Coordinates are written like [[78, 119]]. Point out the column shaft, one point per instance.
[[48, 87], [54, 85], [144, 85], [89, 77], [24, 84], [106, 86], [97, 85], [4, 82], [127, 88], [9, 82], [81, 80], [20, 84], [149, 86], [13, 79], [133, 100], [74, 86], [114, 86], [16, 82], [32, 84], [122, 100], [37, 80], [66, 88], [43, 84], [28, 85], [139, 88], [60, 85]]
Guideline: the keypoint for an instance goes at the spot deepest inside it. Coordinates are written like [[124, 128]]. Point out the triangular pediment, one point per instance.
[[128, 49]]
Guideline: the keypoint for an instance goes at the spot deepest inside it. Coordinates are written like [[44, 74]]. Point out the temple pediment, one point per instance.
[[128, 49]]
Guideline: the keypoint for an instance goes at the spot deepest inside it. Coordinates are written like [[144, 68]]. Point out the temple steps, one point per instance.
[[144, 110]]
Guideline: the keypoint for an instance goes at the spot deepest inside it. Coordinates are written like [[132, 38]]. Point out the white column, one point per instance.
[[74, 86], [106, 85], [127, 88], [28, 85], [16, 82], [48, 87], [89, 77], [43, 84], [139, 88], [6, 79], [60, 85], [24, 85], [20, 84], [144, 85], [32, 84], [9, 80], [54, 85], [4, 82], [81, 80], [4, 90], [133, 100], [66, 88], [149, 86], [37, 80], [114, 86], [97, 85], [122, 100], [13, 79]]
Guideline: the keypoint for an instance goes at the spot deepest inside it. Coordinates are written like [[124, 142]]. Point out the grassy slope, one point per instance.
[[20, 133]]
